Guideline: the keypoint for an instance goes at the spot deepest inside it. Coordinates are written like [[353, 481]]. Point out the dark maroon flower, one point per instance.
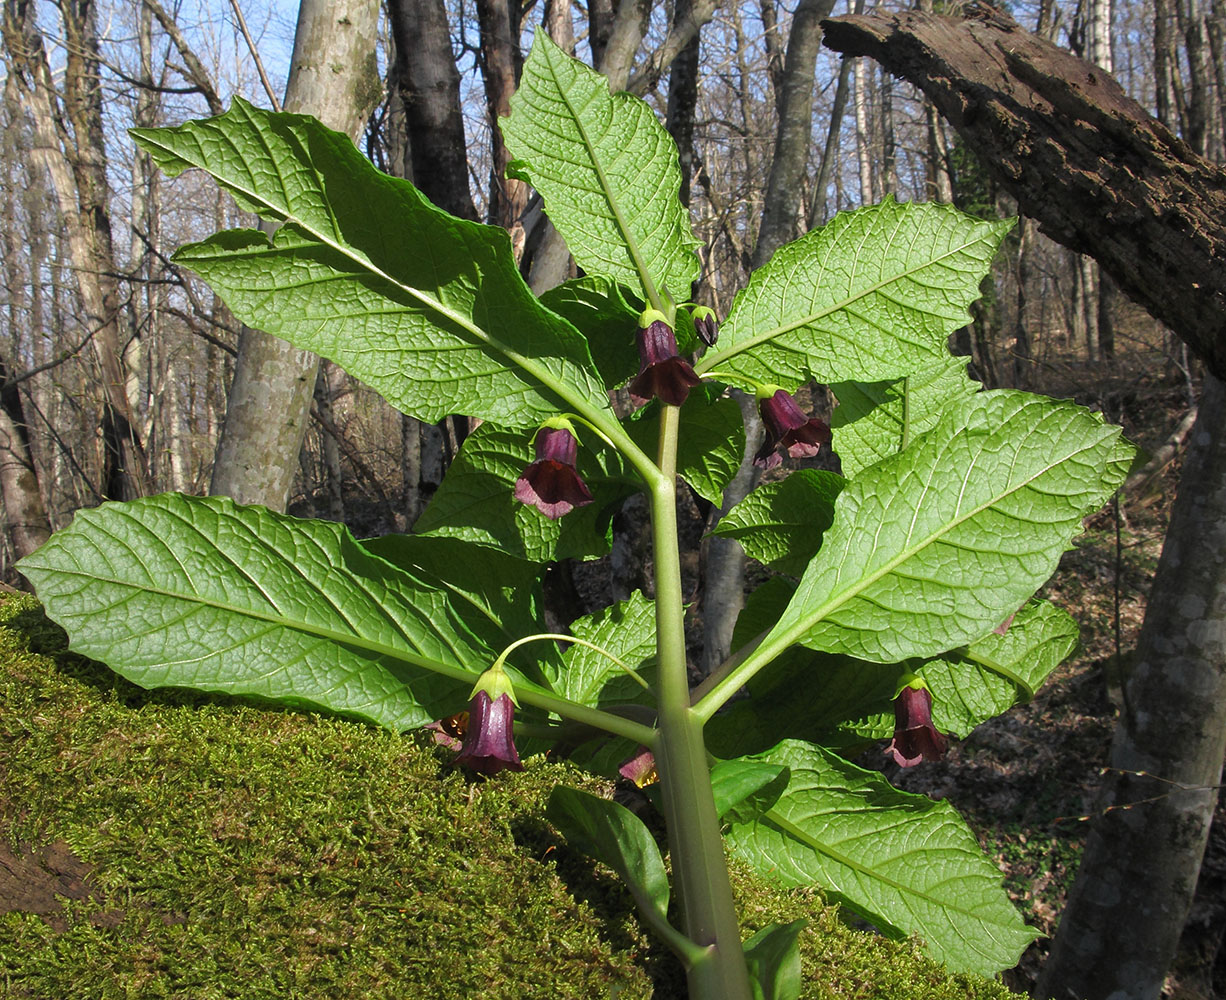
[[915, 737], [552, 484], [489, 746], [663, 373], [790, 428], [705, 324]]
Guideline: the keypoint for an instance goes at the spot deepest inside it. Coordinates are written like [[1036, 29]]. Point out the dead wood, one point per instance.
[[1097, 172]]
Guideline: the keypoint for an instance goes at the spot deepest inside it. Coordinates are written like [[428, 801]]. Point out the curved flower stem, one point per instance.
[[699, 869], [575, 639]]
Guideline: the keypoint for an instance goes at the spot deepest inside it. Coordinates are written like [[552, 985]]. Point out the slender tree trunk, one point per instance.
[[864, 144], [1022, 352], [682, 102], [25, 517], [501, 61], [429, 130], [1145, 848], [70, 145], [781, 207], [333, 76]]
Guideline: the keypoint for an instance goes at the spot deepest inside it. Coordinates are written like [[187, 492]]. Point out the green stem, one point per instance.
[[700, 871], [572, 710]]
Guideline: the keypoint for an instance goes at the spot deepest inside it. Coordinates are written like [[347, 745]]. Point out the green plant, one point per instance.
[[953, 509]]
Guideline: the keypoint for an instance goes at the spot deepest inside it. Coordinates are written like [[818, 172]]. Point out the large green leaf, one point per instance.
[[872, 295], [427, 309], [934, 547], [500, 594], [628, 631], [476, 500], [781, 523], [907, 864], [597, 306], [203, 593], [877, 419], [607, 170]]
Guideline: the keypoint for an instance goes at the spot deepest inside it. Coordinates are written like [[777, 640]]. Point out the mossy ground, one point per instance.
[[236, 851]]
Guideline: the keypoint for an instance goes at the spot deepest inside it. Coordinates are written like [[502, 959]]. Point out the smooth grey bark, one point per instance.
[[332, 76], [781, 206], [1121, 925]]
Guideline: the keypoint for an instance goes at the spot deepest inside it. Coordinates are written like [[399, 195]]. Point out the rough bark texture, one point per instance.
[[24, 513], [1128, 905], [1098, 173], [332, 76], [501, 61]]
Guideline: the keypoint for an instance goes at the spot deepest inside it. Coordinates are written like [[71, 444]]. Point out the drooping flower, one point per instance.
[[705, 324], [915, 737], [663, 373], [552, 484], [787, 427], [489, 744]]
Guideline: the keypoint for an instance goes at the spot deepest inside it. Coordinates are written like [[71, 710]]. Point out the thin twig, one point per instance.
[[259, 65]]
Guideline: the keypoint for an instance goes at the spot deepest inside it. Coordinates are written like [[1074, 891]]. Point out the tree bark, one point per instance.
[[1081, 157], [1121, 926], [333, 76], [25, 517], [501, 61], [70, 145], [781, 206]]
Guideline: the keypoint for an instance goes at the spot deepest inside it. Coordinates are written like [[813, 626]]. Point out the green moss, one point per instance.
[[248, 852]]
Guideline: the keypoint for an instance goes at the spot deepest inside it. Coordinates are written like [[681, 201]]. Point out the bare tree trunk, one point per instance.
[[1145, 848], [501, 61], [428, 124], [25, 517], [330, 446], [1021, 331], [781, 207], [70, 145], [864, 142], [333, 76], [682, 102]]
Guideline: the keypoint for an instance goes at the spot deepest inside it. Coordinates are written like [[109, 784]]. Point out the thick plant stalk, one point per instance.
[[700, 873]]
